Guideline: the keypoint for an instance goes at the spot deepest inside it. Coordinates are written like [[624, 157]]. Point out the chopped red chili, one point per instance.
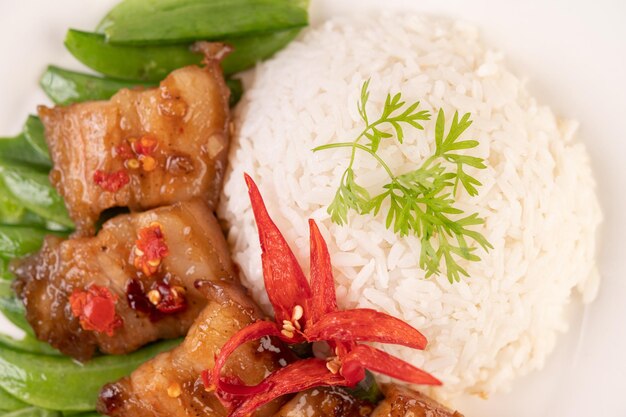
[[161, 300], [111, 182], [95, 309], [145, 146], [150, 249], [171, 298], [124, 151]]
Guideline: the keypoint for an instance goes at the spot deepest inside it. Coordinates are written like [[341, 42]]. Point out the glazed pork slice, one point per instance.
[[403, 402], [170, 385], [325, 402], [129, 285], [143, 148]]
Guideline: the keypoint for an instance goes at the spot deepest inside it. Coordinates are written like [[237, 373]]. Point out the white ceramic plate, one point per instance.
[[573, 51]]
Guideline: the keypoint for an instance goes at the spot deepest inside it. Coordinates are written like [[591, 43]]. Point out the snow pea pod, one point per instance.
[[34, 134], [66, 87], [11, 211], [59, 383], [28, 344], [14, 311], [19, 149], [32, 189], [10, 403], [16, 241], [5, 291], [141, 22], [33, 412], [153, 63]]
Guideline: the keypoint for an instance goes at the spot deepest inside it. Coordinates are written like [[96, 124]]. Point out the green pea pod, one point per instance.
[[13, 310], [236, 91], [10, 403], [153, 63], [5, 274], [5, 290], [33, 412], [16, 241], [28, 344], [32, 189], [59, 383], [141, 22], [250, 50], [66, 87], [20, 150], [35, 135], [11, 211], [150, 63]]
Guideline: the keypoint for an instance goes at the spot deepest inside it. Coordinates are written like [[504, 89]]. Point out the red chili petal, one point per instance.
[[285, 282], [323, 298], [252, 332], [365, 325], [379, 361], [298, 376]]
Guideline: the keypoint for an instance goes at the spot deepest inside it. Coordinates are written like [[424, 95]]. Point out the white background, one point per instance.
[[575, 54]]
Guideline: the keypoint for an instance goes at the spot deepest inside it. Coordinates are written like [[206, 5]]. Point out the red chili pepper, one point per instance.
[[150, 249], [299, 376], [171, 298], [95, 308], [306, 313], [124, 151], [145, 146], [111, 182]]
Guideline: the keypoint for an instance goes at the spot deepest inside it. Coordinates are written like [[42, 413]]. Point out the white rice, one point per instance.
[[537, 196]]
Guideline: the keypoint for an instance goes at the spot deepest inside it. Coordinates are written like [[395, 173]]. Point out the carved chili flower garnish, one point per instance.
[[95, 309], [308, 313], [150, 249]]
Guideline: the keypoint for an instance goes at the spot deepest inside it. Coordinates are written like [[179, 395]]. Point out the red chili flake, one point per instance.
[[168, 298], [308, 313], [150, 249], [136, 297], [161, 300], [95, 308], [111, 182], [124, 151], [145, 146]]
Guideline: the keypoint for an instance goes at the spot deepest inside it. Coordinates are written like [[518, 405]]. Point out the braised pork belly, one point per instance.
[[170, 385], [143, 148], [325, 402], [403, 402], [129, 285]]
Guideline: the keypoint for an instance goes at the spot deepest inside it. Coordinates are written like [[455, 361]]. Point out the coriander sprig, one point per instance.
[[420, 201]]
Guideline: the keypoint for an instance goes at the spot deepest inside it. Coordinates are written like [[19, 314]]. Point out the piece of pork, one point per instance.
[[325, 402], [403, 402], [154, 297], [142, 148], [170, 385]]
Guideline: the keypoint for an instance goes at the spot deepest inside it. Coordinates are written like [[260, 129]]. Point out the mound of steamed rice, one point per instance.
[[537, 195]]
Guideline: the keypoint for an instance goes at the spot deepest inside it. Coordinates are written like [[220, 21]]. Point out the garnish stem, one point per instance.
[[354, 145]]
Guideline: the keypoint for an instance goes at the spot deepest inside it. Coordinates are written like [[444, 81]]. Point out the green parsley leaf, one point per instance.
[[420, 202]]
